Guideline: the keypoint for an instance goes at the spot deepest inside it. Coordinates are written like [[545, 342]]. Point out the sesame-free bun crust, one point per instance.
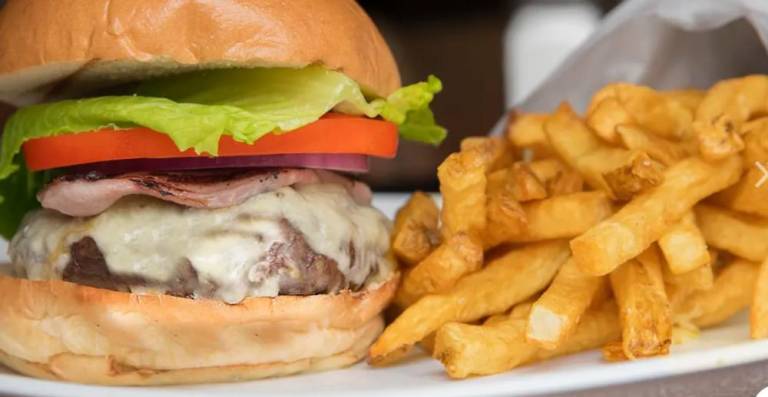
[[96, 43], [63, 331]]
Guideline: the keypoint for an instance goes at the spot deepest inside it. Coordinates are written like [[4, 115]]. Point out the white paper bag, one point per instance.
[[663, 44]]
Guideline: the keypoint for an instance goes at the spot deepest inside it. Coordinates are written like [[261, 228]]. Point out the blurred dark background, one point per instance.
[[463, 43]]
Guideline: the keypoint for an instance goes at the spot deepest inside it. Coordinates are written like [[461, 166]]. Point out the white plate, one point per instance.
[[725, 346]]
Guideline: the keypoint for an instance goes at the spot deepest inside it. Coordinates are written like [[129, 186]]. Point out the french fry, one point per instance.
[[526, 131], [690, 98], [428, 344], [522, 273], [556, 176], [736, 233], [604, 118], [506, 218], [603, 293], [732, 292], [605, 92], [681, 286], [758, 315], [644, 220], [644, 311], [519, 311], [505, 215], [701, 278], [614, 351], [467, 350], [655, 112], [499, 156], [755, 141], [749, 195], [499, 181], [519, 181], [634, 104], [547, 169], [639, 174], [524, 183], [415, 229], [683, 246], [665, 151], [575, 143], [717, 140], [568, 182], [462, 184], [556, 313], [727, 106], [495, 319], [563, 216], [456, 257]]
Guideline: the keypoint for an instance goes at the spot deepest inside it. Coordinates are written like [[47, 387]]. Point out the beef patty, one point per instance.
[[301, 270]]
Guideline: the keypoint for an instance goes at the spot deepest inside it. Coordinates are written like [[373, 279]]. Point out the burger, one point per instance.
[[178, 187]]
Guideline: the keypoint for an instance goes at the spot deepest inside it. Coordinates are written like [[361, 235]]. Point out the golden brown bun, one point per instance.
[[96, 41], [63, 331]]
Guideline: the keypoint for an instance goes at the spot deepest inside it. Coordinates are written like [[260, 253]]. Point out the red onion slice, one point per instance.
[[352, 163]]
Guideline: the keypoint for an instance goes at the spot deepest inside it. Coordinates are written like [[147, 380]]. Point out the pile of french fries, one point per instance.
[[627, 229]]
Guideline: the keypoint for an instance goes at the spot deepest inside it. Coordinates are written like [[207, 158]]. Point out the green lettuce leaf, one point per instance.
[[19, 197], [419, 125], [408, 107], [262, 90]]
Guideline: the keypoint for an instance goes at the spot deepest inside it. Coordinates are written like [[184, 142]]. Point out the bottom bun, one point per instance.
[[64, 331]]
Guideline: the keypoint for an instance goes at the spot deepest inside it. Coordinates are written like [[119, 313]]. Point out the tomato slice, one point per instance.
[[331, 134]]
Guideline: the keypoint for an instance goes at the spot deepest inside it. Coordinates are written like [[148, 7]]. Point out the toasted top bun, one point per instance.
[[86, 45], [63, 331]]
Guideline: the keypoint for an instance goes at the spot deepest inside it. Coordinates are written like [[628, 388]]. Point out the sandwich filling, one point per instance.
[[301, 239]]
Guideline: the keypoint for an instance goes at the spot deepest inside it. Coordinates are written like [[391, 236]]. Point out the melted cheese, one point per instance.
[[149, 238]]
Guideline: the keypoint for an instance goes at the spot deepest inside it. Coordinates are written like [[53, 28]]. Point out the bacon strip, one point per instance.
[[88, 195]]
